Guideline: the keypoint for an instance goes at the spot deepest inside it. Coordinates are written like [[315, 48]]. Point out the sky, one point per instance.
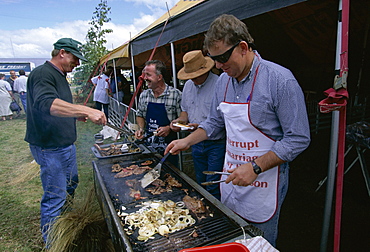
[[28, 29]]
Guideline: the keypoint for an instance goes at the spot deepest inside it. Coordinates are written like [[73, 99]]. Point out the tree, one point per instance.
[[94, 48]]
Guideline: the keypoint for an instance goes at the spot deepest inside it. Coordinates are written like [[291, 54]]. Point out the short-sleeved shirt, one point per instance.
[[102, 84], [171, 97]]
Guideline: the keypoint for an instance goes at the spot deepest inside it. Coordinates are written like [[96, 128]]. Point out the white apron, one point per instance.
[[257, 202]]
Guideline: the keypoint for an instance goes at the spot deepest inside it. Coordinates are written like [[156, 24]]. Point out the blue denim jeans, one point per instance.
[[59, 178], [23, 96], [270, 227], [209, 155]]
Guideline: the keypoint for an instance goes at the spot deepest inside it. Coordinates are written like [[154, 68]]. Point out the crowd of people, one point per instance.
[[13, 95], [250, 121]]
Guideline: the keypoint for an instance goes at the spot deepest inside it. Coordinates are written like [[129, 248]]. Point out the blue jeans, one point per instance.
[[209, 155], [270, 227], [23, 96], [59, 178]]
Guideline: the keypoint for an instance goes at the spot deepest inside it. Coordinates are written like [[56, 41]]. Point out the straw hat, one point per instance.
[[195, 64]]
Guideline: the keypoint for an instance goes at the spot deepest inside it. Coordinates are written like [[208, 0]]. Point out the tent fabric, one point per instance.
[[300, 36], [197, 20], [119, 52], [123, 50]]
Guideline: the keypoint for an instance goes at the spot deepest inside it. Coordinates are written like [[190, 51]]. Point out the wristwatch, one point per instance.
[[257, 170]]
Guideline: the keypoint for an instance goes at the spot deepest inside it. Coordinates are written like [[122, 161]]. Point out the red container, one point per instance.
[[226, 247]]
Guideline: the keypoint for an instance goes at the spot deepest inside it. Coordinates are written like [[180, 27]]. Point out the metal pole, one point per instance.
[[133, 73], [174, 79], [331, 180], [333, 151], [173, 59], [115, 78]]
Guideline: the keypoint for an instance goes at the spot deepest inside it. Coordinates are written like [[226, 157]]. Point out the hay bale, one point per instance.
[[25, 172], [81, 229]]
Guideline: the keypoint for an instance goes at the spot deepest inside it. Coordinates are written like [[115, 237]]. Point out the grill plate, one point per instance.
[[223, 226]]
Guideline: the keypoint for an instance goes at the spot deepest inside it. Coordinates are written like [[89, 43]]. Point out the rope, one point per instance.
[[141, 79]]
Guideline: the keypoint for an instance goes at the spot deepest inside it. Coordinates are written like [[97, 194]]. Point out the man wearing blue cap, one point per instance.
[[51, 127]]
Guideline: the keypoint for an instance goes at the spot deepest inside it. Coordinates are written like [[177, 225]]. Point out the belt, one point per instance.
[[22, 93]]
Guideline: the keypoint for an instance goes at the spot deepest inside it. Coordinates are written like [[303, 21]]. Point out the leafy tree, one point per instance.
[[94, 48]]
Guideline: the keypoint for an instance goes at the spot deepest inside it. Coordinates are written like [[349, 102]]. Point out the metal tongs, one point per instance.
[[213, 173]]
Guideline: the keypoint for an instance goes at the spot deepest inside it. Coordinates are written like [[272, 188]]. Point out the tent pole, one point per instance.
[[115, 78], [342, 127], [174, 79], [133, 73], [331, 180], [173, 59], [333, 148]]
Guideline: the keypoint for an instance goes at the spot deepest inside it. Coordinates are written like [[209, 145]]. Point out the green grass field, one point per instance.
[[20, 186]]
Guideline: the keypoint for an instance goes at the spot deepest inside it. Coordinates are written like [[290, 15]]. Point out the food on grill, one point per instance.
[[136, 194], [157, 217], [156, 190], [147, 162], [130, 170], [116, 168], [131, 182], [171, 181], [116, 149], [161, 186], [196, 206]]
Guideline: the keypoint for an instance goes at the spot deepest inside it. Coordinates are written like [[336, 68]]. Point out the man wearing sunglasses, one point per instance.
[[262, 107]]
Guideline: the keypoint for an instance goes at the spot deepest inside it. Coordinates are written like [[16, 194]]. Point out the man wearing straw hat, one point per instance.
[[197, 95]]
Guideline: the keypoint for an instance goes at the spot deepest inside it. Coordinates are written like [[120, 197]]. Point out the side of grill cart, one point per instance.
[[221, 226]]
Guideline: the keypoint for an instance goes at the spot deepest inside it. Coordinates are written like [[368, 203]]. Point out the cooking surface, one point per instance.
[[215, 227]]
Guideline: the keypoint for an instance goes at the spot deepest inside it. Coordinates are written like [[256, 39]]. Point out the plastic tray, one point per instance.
[[99, 155], [226, 247]]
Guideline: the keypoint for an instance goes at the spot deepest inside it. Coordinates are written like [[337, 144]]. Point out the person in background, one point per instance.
[[12, 78], [20, 86], [262, 107], [197, 95], [158, 106], [121, 81], [101, 92], [16, 95], [6, 97], [51, 128]]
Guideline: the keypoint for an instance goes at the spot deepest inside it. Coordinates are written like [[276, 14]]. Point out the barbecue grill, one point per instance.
[[222, 225]]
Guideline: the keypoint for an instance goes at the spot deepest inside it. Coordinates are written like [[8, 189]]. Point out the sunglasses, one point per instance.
[[223, 58]]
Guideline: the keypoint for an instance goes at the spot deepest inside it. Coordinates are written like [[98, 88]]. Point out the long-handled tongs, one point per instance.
[[213, 173]]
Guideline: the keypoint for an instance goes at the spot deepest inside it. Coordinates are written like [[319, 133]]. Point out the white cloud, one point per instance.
[[38, 42]]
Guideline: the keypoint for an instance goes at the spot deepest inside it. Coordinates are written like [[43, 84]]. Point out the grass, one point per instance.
[[20, 186], [21, 190]]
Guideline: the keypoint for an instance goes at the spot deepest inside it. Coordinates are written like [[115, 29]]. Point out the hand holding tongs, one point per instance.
[[213, 173]]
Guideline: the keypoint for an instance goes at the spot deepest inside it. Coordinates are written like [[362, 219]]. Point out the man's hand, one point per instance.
[[139, 134], [242, 175], [163, 131], [97, 117], [176, 146]]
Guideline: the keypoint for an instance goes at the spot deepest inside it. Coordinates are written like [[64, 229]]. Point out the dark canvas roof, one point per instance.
[[197, 20], [300, 35]]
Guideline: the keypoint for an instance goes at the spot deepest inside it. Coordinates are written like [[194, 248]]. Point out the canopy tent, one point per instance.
[[123, 50], [298, 34]]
